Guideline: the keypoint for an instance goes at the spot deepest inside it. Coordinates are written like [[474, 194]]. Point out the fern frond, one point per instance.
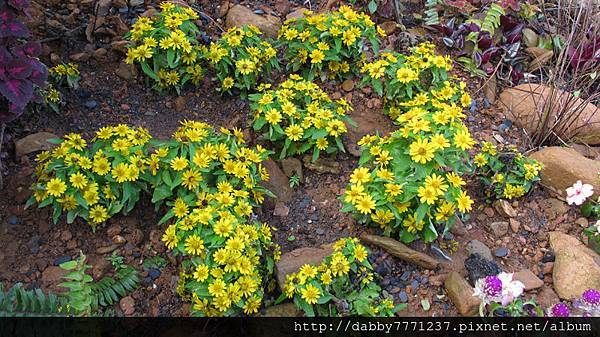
[[19, 302], [432, 16], [109, 290], [491, 21]]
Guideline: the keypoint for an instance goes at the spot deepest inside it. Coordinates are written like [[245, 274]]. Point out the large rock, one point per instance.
[[292, 261], [576, 267], [33, 143], [460, 293], [525, 103], [239, 15], [368, 122], [564, 166], [278, 183], [283, 310]]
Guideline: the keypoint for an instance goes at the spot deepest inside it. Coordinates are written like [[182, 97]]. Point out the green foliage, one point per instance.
[[79, 294], [68, 73], [294, 181], [166, 47], [328, 45], [154, 262], [109, 290], [18, 302], [298, 117], [241, 57], [491, 21], [116, 260], [506, 175], [342, 285]]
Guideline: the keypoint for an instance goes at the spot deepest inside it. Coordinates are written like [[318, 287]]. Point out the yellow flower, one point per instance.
[[455, 180], [360, 252], [252, 305], [194, 245], [217, 288], [322, 143], [245, 66], [191, 179], [56, 187], [436, 182], [421, 151], [310, 294], [480, 160], [78, 180], [201, 273], [360, 175], [227, 83], [294, 132], [179, 163], [98, 214], [120, 172], [428, 195], [316, 56], [406, 75], [365, 204], [180, 208], [463, 140], [464, 202], [273, 116]]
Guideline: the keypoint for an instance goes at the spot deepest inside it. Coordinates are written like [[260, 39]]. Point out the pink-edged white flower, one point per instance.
[[577, 193], [511, 290], [488, 289]]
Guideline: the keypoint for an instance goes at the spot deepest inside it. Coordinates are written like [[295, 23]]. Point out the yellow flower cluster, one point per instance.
[[241, 57], [329, 43], [166, 47], [60, 72], [409, 182], [299, 116], [93, 183], [216, 178], [345, 274], [506, 174]]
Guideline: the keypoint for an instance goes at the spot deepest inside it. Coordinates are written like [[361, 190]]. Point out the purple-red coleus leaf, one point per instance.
[[447, 31], [10, 113], [29, 49], [488, 54], [19, 4], [508, 23], [13, 28], [39, 72], [5, 56], [17, 91], [18, 68], [485, 41]]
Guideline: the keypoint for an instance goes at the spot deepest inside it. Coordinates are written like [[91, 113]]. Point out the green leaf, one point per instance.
[[146, 69], [160, 193], [372, 6]]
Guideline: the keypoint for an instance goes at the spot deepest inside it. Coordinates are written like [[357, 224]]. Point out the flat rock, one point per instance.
[[292, 261], [33, 143], [278, 182], [478, 247], [524, 104], [498, 228], [292, 166], [322, 165], [504, 207], [296, 13], [283, 310], [564, 166], [238, 16], [52, 276], [528, 278], [576, 267], [281, 209], [460, 293], [127, 304]]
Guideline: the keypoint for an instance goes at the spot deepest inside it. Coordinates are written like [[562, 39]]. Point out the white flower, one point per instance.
[[577, 193], [597, 227], [511, 290]]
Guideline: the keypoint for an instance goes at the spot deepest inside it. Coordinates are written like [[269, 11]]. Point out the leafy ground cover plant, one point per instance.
[[93, 182], [21, 73], [329, 44], [299, 116], [166, 47], [66, 72], [406, 81], [409, 183], [506, 174], [215, 182], [341, 285], [241, 57]]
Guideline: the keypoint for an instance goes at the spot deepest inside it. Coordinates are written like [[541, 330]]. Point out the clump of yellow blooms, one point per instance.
[[94, 182], [210, 181], [241, 57], [409, 183], [214, 179], [328, 44], [299, 116], [347, 275], [68, 72], [166, 47], [507, 174]]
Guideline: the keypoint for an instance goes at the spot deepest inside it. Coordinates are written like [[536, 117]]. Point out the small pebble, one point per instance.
[[319, 231], [501, 252], [91, 104], [154, 273], [13, 220], [403, 297], [404, 277]]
